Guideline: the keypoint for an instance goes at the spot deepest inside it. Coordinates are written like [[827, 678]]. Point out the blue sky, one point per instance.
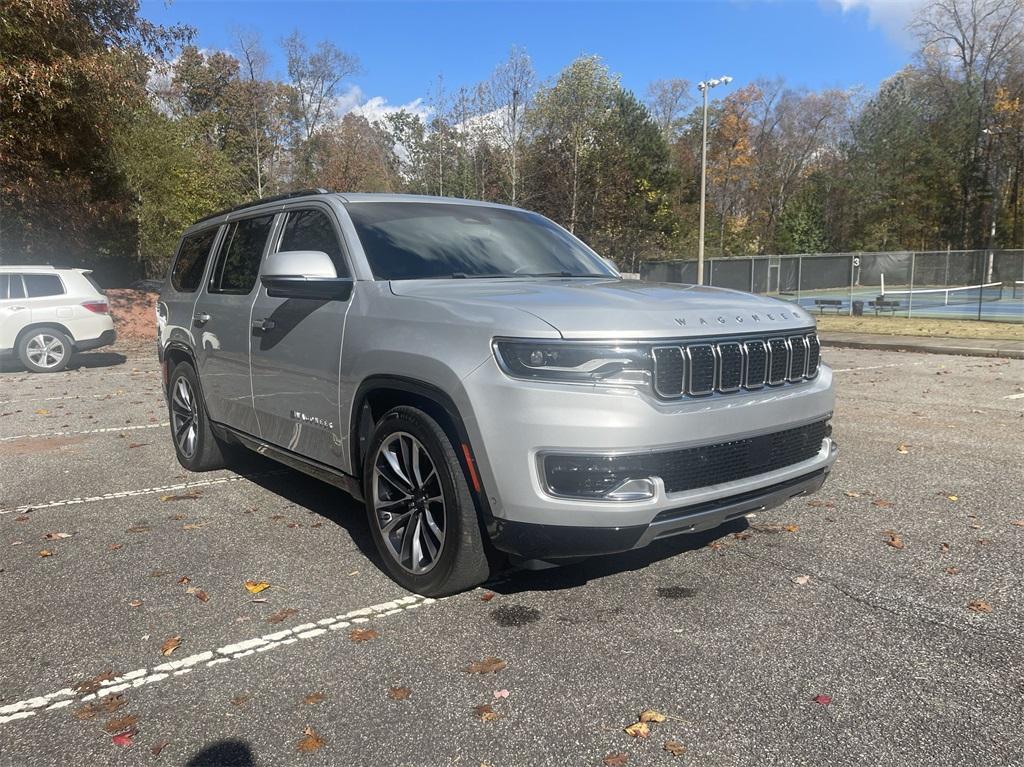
[[403, 46]]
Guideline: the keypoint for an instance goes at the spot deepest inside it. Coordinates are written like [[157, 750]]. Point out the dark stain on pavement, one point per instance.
[[514, 615], [676, 592]]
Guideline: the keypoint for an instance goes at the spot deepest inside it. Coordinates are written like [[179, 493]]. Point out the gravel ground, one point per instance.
[[859, 594]]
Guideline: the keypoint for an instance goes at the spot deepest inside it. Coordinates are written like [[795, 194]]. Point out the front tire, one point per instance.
[[45, 350], [195, 444], [420, 510]]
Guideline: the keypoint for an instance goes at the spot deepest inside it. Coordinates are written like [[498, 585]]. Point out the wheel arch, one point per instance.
[[43, 324], [380, 393]]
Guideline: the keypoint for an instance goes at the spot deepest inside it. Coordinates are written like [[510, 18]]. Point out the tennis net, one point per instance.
[[968, 294]]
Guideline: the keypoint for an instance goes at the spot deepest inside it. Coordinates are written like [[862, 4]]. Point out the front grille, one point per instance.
[[699, 369], [696, 467]]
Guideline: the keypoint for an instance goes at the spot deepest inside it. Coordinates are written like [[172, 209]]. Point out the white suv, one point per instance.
[[47, 314]]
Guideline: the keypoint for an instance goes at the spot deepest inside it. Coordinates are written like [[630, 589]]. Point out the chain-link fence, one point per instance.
[[965, 284]]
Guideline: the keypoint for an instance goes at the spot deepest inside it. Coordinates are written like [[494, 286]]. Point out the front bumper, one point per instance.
[[515, 423]]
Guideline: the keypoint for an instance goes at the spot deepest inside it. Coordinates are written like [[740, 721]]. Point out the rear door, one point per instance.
[[45, 296], [14, 311], [296, 359], [220, 322]]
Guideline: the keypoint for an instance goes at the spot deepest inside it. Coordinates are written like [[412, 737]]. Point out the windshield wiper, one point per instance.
[[464, 276], [562, 274]]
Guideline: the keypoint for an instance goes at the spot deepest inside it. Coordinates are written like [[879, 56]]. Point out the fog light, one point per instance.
[[598, 477]]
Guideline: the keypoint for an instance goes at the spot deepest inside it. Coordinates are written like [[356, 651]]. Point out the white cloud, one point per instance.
[[376, 107], [891, 16]]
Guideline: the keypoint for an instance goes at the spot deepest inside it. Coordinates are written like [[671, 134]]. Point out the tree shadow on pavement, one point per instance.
[[224, 753], [569, 576]]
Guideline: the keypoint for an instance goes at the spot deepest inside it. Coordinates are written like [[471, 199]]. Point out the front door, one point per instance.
[[220, 322], [296, 350]]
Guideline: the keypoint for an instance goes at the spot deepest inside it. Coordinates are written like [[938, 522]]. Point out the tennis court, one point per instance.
[[991, 301]]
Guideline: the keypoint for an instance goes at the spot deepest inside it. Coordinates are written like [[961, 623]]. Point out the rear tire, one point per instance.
[[419, 507], [45, 350], [195, 444]]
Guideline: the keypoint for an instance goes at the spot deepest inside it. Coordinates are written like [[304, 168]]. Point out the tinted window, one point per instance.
[[191, 261], [313, 230], [240, 253], [3, 286], [408, 241], [42, 285]]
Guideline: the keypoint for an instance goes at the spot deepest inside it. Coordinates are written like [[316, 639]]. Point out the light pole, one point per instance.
[[704, 86]]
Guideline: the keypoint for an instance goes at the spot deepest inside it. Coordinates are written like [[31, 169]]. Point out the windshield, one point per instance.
[[417, 240]]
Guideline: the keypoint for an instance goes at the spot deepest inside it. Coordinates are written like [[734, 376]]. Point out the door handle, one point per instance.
[[200, 319], [263, 326]]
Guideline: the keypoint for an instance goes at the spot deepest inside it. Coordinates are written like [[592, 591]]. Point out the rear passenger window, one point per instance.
[[313, 230], [240, 252], [188, 268], [42, 285], [3, 286]]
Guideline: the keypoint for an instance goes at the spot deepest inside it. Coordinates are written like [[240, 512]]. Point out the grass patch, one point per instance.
[[901, 326]]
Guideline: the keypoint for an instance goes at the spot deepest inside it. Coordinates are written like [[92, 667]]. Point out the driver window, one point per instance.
[[313, 230]]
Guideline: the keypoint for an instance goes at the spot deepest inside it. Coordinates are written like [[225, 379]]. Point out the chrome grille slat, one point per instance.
[[704, 368]]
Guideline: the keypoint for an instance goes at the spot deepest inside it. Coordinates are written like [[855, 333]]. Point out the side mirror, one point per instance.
[[304, 274]]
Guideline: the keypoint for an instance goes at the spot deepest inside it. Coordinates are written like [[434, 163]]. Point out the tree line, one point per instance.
[[117, 134]]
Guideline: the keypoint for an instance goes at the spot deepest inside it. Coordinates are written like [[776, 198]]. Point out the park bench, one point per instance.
[[835, 304], [881, 305]]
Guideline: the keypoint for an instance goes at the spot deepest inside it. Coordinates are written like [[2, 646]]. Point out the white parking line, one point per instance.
[[67, 696], [878, 367], [61, 399], [132, 493], [1015, 396], [85, 431]]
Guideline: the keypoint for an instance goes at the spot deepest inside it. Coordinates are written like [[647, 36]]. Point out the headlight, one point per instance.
[[575, 362]]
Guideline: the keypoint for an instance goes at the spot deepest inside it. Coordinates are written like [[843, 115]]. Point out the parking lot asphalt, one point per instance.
[[878, 622]]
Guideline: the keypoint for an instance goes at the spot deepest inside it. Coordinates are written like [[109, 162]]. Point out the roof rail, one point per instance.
[[275, 198]]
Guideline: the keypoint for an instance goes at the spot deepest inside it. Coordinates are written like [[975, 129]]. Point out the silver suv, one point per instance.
[[483, 381]]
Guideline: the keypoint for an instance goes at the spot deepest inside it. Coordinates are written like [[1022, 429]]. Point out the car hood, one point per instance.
[[606, 308]]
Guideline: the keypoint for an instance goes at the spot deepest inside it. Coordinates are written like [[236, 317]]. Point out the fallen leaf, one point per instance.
[[615, 760], [851, 494], [124, 724], [802, 580], [135, 603], [979, 606], [953, 497], [313, 698], [282, 615], [255, 587], [114, 546], [199, 594], [56, 536], [399, 693], [92, 685], [881, 503], [791, 528], [240, 700], [170, 645], [487, 596], [138, 529], [944, 548], [674, 747], [489, 665], [650, 715], [193, 525], [1018, 522], [363, 635], [741, 536], [895, 541], [822, 700], [159, 746], [106, 705], [45, 553], [486, 713], [123, 739], [714, 546], [310, 741], [498, 694], [190, 496], [184, 580], [984, 541], [820, 504], [902, 449], [638, 730], [134, 445], [952, 571]]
